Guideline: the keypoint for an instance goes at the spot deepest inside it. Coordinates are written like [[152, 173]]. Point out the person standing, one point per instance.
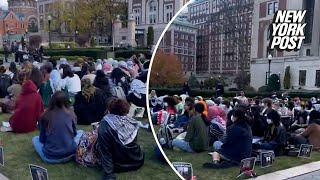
[[186, 89], [40, 53], [6, 51]]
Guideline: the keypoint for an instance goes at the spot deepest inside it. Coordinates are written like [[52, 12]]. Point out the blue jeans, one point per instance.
[[182, 144], [38, 147], [217, 145]]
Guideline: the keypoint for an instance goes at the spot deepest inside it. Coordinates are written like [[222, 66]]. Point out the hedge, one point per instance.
[[69, 58], [97, 53], [251, 94], [128, 53], [88, 52]]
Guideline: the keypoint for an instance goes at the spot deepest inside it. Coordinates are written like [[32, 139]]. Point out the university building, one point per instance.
[[224, 35], [154, 13], [304, 64], [19, 19], [180, 40]]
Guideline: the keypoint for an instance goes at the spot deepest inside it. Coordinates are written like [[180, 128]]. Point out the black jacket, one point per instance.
[[116, 157], [238, 142], [92, 111]]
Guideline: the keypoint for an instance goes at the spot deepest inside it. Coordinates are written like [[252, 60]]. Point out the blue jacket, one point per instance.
[[58, 141]]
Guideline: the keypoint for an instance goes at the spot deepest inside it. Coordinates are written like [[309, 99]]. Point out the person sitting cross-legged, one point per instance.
[[196, 137], [90, 103], [117, 140], [28, 105], [237, 144], [275, 136], [58, 139]]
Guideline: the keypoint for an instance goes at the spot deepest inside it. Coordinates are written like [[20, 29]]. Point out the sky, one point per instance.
[[4, 4]]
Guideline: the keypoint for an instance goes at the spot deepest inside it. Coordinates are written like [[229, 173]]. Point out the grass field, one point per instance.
[[19, 152], [199, 159]]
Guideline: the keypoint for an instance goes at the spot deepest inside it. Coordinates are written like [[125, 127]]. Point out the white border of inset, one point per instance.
[[149, 72]]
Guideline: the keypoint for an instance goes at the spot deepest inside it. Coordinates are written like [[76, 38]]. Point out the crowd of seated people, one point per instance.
[[56, 97], [236, 128]]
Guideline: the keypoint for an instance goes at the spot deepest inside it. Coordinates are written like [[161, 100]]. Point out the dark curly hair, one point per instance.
[[118, 106]]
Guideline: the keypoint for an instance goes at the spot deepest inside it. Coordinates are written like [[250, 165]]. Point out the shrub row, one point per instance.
[[128, 53], [88, 52], [97, 53], [69, 58], [210, 93]]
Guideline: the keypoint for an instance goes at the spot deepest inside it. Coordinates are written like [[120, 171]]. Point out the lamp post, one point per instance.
[[49, 23], [269, 61]]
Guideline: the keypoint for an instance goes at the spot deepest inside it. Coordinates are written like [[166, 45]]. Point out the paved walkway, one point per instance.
[[310, 176], [2, 177], [310, 171]]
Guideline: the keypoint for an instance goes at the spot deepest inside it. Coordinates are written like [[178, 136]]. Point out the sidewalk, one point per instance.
[[2, 177], [309, 171]]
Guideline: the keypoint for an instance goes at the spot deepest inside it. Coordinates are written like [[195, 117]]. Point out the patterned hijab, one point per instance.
[[88, 89]]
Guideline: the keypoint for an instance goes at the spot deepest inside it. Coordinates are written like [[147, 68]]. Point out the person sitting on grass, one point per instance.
[[237, 144], [8, 103], [180, 106], [195, 139], [45, 88], [275, 136], [58, 139], [70, 81], [183, 120], [117, 140], [12, 72], [311, 134], [90, 74], [170, 104], [90, 103], [29, 106], [101, 81], [55, 81]]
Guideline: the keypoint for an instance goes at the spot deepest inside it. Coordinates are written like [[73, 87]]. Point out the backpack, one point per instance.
[[165, 136], [86, 154], [5, 82], [117, 91]]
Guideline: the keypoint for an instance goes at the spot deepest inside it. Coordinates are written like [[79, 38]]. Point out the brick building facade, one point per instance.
[[155, 13], [180, 39], [224, 35], [19, 19]]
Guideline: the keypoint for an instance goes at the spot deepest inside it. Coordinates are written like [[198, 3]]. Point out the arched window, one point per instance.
[[33, 25]]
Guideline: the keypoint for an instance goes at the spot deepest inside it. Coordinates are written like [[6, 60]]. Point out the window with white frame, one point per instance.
[[168, 12], [153, 4], [137, 15]]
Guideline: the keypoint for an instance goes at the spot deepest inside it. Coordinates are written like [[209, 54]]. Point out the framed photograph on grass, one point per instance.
[[266, 158], [38, 172], [305, 151], [185, 169]]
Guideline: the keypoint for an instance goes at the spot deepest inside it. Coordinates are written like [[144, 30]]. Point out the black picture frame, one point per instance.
[[266, 158], [184, 169], [305, 151], [38, 172]]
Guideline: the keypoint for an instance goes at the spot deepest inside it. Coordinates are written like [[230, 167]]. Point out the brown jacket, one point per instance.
[[313, 134]]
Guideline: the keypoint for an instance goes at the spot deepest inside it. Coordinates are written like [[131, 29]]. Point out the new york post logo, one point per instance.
[[287, 30]]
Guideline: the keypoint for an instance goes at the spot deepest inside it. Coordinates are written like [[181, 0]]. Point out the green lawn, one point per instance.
[[19, 153], [199, 159]]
